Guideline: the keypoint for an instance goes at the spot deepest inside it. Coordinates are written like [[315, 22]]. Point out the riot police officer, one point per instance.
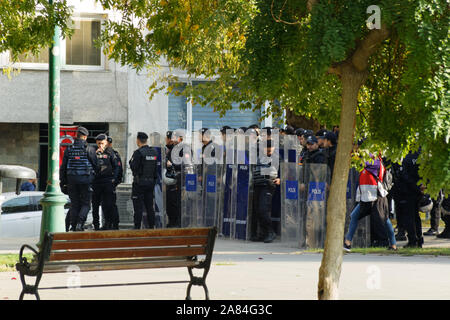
[[77, 172], [264, 188], [173, 191], [143, 164], [116, 182], [103, 185]]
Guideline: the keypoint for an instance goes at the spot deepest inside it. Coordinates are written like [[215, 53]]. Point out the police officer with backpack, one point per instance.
[[77, 172], [143, 164]]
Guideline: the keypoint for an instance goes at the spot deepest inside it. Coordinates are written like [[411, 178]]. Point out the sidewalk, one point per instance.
[[253, 271]]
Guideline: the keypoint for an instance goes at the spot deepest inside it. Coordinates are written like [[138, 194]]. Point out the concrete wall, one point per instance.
[[85, 97], [19, 145]]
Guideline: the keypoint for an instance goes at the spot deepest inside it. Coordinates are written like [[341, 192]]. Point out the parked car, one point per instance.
[[21, 214]]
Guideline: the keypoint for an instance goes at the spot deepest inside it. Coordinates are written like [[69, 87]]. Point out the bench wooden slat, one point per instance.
[[130, 233], [129, 243], [124, 253], [119, 265]]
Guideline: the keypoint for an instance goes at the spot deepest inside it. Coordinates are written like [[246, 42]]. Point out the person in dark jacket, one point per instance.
[[314, 154], [143, 164], [445, 211], [330, 143], [104, 184], [173, 191], [77, 172], [408, 195], [116, 183], [264, 185]]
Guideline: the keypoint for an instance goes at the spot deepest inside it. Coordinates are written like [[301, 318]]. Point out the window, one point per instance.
[[80, 49], [16, 205], [77, 53]]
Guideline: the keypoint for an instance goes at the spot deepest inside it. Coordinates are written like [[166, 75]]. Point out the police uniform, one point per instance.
[[103, 188], [115, 184], [263, 191], [173, 193], [143, 164], [408, 198], [77, 172]]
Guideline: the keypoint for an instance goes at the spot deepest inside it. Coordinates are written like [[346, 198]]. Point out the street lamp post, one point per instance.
[[53, 219]]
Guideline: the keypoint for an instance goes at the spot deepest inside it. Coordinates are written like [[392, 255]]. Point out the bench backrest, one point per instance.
[[185, 242]]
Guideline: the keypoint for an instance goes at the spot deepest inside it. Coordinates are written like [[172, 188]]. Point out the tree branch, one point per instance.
[[310, 4], [360, 58]]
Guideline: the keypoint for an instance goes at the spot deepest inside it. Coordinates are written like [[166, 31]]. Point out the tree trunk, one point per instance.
[[330, 268]]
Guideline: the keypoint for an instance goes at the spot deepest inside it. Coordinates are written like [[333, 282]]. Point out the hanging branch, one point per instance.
[[281, 12]]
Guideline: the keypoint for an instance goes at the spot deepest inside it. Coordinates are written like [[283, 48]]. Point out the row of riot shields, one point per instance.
[[218, 191], [304, 193]]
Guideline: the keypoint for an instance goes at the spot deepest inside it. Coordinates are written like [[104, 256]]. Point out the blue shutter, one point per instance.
[[234, 118]]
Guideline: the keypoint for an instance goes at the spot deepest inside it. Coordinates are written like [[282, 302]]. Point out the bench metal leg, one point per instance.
[[29, 289], [197, 281]]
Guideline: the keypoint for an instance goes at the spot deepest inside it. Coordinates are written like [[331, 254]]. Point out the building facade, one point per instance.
[[96, 93]]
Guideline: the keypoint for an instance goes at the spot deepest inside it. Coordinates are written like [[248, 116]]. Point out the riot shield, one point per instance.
[[191, 195], [227, 179], [212, 165], [155, 141], [316, 176], [290, 201], [228, 183], [361, 238], [241, 193]]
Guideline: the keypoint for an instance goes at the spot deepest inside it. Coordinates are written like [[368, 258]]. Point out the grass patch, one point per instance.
[[225, 264], [401, 251], [8, 261]]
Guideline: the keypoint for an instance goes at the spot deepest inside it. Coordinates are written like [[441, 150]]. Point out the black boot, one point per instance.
[[270, 237], [79, 227], [445, 234]]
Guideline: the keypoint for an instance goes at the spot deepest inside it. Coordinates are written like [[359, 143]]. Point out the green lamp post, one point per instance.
[[53, 218]]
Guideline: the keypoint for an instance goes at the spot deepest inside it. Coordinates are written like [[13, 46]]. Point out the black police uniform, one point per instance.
[[316, 156], [408, 196], [103, 186], [173, 193], [143, 164], [77, 172], [263, 191], [115, 184]]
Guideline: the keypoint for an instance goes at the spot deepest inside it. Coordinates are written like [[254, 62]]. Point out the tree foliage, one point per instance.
[[283, 51], [28, 25]]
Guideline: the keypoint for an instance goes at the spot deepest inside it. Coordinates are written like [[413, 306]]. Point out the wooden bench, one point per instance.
[[120, 250]]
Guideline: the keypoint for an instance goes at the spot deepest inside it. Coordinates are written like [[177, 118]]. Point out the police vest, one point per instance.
[[78, 163], [104, 164], [147, 171]]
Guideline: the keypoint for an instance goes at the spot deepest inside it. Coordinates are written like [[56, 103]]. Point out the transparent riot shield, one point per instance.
[[241, 193], [316, 176], [227, 179], [212, 165], [191, 191], [361, 238], [228, 182], [290, 200]]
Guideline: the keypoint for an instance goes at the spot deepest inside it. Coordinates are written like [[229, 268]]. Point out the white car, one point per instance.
[[21, 214]]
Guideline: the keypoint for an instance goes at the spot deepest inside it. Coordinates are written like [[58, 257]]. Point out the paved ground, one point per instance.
[[254, 271]]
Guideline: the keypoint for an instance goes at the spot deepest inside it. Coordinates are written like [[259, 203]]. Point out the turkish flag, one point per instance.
[[66, 138]]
